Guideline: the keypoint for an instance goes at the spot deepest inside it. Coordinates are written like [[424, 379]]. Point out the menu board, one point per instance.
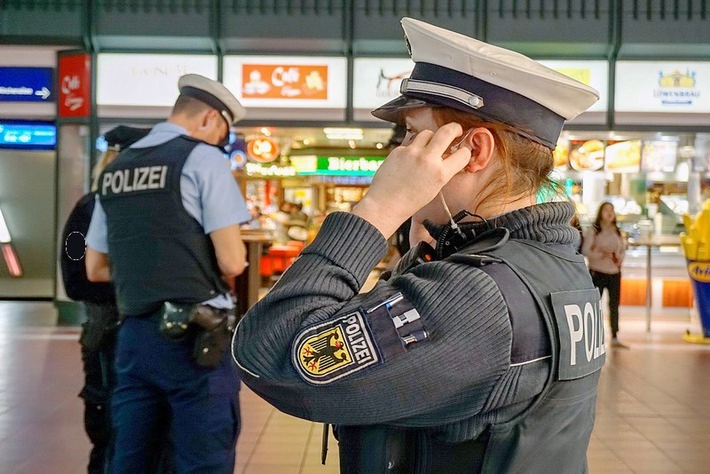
[[660, 155], [623, 156], [586, 155]]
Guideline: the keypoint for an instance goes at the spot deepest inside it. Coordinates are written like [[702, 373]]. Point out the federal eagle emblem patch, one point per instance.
[[334, 349]]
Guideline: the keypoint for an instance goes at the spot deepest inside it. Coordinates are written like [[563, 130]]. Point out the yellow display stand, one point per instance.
[[695, 338]]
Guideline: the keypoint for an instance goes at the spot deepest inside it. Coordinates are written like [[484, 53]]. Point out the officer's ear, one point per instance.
[[206, 119], [482, 144]]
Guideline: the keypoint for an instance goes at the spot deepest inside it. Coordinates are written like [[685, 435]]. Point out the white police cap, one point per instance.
[[214, 94], [453, 70]]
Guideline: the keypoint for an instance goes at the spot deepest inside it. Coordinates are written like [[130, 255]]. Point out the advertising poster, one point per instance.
[[586, 155]]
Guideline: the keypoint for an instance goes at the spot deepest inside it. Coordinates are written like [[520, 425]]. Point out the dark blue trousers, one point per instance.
[[203, 403]]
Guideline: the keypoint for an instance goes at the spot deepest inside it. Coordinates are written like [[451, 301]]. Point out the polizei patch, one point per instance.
[[334, 349]]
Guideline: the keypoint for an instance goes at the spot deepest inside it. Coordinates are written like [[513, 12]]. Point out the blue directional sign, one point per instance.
[[28, 135], [26, 84]]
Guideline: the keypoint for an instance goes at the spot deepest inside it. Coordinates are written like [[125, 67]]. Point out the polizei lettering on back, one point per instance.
[[580, 325], [128, 180]]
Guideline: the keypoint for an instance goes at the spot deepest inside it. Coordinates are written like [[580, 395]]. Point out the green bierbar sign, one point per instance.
[[337, 165]]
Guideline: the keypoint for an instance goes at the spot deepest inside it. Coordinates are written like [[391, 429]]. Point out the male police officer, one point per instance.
[[166, 231]]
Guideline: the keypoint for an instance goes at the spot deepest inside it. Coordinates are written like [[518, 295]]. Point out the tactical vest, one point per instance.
[[158, 251], [550, 435]]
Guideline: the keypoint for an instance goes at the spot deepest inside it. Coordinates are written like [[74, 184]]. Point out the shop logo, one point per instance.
[[69, 85], [263, 149], [676, 88], [699, 271]]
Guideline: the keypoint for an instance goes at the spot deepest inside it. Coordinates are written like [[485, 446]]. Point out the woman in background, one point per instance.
[[604, 246]]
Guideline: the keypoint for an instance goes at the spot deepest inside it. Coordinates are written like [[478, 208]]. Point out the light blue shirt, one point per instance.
[[208, 190]]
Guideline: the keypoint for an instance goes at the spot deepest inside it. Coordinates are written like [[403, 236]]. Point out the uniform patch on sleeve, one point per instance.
[[580, 325], [334, 349]]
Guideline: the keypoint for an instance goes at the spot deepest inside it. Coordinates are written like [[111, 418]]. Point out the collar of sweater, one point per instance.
[[544, 223]]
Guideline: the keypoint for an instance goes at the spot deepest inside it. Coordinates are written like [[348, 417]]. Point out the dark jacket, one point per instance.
[[76, 284], [440, 348]]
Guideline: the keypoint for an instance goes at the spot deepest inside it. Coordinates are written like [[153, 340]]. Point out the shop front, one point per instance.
[[309, 143], [28, 160], [652, 166]]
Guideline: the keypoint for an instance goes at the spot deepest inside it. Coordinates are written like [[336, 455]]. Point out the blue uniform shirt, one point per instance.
[[209, 193]]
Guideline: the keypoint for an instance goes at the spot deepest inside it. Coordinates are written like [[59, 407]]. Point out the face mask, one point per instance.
[[224, 142]]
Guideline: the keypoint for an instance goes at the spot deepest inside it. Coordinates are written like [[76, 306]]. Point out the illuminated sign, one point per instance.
[[28, 136], [287, 81], [377, 80], [263, 149], [74, 86], [12, 261], [591, 73], [147, 79], [671, 87], [258, 169], [26, 84], [337, 165], [270, 81]]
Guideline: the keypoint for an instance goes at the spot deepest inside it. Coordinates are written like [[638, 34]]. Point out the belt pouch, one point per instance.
[[175, 319]]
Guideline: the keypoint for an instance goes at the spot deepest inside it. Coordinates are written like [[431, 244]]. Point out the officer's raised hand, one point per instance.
[[411, 177]]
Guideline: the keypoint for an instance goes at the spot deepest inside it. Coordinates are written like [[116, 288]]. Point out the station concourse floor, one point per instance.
[[653, 409]]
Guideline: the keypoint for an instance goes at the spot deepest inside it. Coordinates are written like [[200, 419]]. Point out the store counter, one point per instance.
[[650, 242], [248, 283]]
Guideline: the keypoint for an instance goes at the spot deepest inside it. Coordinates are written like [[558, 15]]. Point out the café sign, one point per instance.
[[74, 76], [286, 81]]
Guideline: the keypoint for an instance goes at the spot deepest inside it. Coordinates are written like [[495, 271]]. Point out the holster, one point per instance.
[[212, 329], [99, 327], [365, 449], [215, 336]]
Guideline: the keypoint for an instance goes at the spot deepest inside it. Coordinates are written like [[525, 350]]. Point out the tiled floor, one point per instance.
[[653, 406]]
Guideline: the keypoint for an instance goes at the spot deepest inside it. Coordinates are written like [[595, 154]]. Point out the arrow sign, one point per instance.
[[26, 84], [44, 93]]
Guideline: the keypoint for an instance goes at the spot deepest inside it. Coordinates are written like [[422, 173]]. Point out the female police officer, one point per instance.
[[481, 352]]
